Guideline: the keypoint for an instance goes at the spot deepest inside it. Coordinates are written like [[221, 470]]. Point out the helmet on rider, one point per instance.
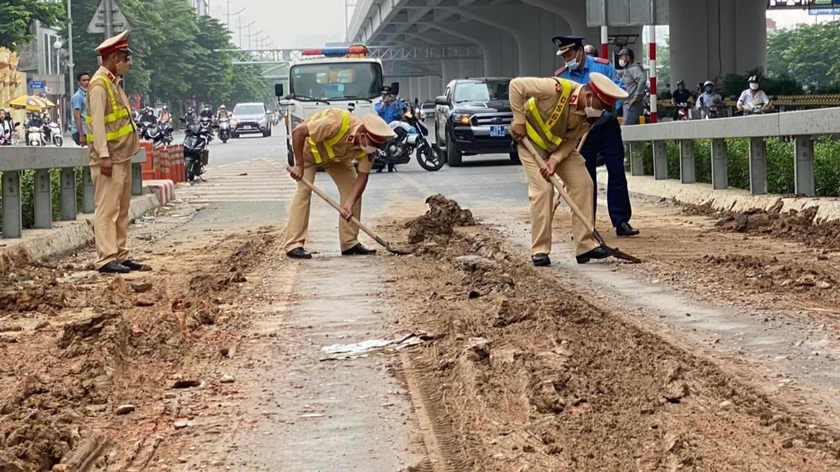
[[165, 108], [681, 83], [222, 107]]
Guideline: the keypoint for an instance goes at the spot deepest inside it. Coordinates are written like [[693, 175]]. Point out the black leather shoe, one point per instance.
[[299, 253], [597, 253], [114, 267], [624, 229], [133, 266], [541, 260], [358, 250]]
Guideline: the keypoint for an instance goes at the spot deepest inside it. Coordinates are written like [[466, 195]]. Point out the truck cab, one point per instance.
[[343, 78]]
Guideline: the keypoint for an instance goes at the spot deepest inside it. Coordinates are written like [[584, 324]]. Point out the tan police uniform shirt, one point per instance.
[[546, 92], [328, 125], [98, 105]]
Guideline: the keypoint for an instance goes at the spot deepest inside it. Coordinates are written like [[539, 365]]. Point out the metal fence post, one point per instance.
[[12, 210], [88, 192], [68, 194], [758, 166], [804, 166], [660, 160], [720, 174], [43, 199], [637, 166], [687, 168], [136, 180]]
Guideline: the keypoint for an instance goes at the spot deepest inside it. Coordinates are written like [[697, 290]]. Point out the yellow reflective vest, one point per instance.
[[117, 123], [541, 129]]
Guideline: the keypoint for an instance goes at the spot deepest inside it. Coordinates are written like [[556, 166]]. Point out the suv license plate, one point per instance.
[[497, 131]]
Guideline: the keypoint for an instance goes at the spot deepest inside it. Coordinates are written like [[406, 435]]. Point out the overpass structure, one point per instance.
[[708, 38]]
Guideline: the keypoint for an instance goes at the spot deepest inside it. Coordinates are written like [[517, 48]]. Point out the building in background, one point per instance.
[[202, 7], [771, 25], [45, 67]]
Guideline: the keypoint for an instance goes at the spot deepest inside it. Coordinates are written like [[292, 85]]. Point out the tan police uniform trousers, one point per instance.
[[112, 196], [344, 175], [572, 171]]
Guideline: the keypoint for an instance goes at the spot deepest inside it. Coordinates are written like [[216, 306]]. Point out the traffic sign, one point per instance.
[[37, 85], [118, 21]]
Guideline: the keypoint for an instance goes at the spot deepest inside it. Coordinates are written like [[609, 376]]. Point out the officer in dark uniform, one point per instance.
[[605, 136]]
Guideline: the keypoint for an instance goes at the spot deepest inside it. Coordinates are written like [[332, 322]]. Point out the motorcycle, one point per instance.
[[682, 112], [196, 154], [151, 131], [166, 131], [412, 136], [206, 127], [224, 129], [34, 136]]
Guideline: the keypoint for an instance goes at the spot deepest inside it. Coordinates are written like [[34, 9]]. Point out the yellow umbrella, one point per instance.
[[29, 103]]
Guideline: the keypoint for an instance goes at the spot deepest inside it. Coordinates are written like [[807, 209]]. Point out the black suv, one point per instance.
[[474, 117]]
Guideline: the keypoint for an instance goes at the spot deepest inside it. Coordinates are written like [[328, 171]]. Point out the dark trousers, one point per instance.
[[76, 138], [606, 140]]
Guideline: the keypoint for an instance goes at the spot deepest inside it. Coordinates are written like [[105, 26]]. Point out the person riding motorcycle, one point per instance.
[[164, 116], [753, 99], [148, 116], [222, 112], [389, 109], [35, 120], [709, 98], [206, 112], [190, 116]]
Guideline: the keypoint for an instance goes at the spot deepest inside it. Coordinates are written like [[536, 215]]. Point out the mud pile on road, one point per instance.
[[439, 221], [801, 226], [525, 375], [76, 345]]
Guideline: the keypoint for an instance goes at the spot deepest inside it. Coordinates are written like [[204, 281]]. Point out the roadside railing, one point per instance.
[[802, 126], [15, 159]]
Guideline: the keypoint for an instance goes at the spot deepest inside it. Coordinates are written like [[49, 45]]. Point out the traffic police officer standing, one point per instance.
[[112, 139], [333, 139], [554, 114], [605, 137]]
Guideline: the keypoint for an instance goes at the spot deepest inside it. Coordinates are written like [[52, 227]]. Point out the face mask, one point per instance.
[[592, 113], [122, 67], [366, 147], [753, 86], [710, 89], [622, 62], [573, 64]]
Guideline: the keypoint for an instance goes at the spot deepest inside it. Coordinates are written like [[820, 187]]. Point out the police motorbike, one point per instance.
[[411, 136], [196, 154], [224, 129]]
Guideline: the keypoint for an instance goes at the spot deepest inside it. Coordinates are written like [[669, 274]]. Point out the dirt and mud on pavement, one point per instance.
[[90, 362], [459, 357], [525, 374]]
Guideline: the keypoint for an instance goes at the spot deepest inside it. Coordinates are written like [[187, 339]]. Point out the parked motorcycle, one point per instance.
[[196, 154], [224, 129], [412, 136]]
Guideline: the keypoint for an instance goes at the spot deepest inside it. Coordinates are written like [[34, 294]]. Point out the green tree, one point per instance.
[[213, 74], [17, 16], [250, 86], [810, 54]]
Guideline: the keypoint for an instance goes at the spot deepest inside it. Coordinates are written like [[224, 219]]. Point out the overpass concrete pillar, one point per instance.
[[713, 38], [532, 28], [451, 70], [492, 41]]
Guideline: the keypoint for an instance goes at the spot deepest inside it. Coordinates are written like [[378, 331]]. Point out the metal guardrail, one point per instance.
[[14, 159], [782, 101], [803, 126]]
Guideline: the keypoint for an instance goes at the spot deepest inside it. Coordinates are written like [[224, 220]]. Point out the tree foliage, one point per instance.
[[810, 54], [177, 55], [17, 16]]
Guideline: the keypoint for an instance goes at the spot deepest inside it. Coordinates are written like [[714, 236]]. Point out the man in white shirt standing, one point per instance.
[[753, 100]]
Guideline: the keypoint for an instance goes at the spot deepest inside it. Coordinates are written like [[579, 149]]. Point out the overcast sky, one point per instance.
[[285, 21]]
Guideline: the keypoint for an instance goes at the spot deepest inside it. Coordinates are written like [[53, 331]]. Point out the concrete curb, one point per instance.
[[736, 200], [63, 238]]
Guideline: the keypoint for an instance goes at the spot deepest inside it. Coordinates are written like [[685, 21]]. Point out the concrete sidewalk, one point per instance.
[[736, 200], [64, 237]]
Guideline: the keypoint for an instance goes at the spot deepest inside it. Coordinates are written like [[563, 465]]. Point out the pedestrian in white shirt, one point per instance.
[[753, 99]]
